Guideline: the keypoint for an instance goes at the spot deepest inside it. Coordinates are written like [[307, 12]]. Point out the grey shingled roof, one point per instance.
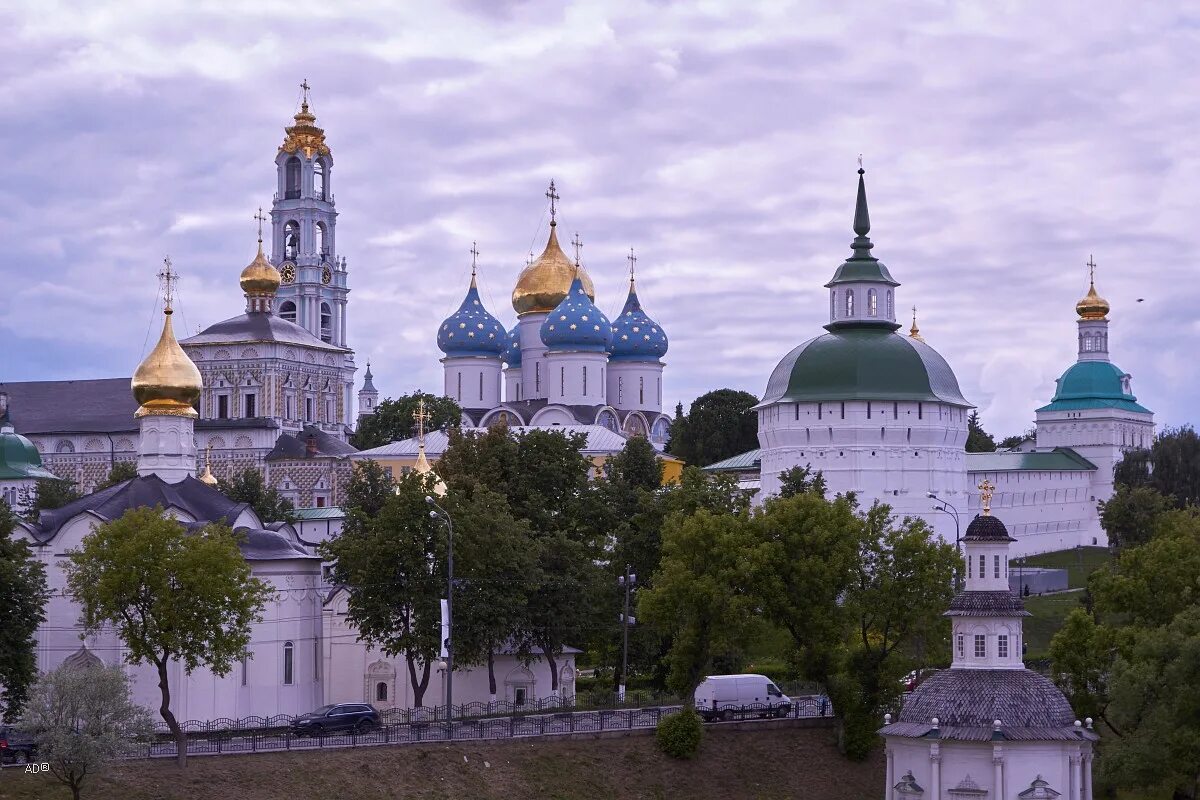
[[259, 327], [105, 405], [987, 604], [973, 698], [985, 527], [291, 448]]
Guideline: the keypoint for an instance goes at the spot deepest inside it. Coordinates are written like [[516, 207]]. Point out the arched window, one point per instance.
[[322, 248], [327, 325], [891, 312], [288, 653], [832, 305], [64, 446], [319, 180], [291, 240], [381, 692], [849, 302], [291, 189], [287, 310], [872, 303]]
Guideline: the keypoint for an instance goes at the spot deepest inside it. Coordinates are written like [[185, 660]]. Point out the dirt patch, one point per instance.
[[751, 764]]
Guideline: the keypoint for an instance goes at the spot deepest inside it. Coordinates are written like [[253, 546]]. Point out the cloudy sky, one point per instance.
[[1004, 143]]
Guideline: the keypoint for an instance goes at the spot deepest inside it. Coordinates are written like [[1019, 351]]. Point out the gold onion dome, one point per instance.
[[260, 275], [1092, 306], [167, 382], [544, 283]]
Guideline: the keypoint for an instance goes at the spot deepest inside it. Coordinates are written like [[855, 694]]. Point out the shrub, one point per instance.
[[679, 734]]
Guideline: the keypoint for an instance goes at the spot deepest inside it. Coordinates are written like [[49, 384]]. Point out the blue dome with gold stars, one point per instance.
[[577, 324], [472, 331], [636, 337], [512, 350]]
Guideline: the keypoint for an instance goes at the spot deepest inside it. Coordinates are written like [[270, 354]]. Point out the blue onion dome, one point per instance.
[[472, 331], [512, 351], [636, 337], [576, 323]]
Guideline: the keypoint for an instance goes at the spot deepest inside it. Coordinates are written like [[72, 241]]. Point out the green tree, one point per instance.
[[393, 566], [395, 419], [1009, 442], [1129, 516], [1171, 466], [1083, 653], [52, 494], [801, 480], [121, 471], [248, 486], [170, 595], [82, 720], [700, 595], [371, 486], [978, 440], [719, 425], [23, 596]]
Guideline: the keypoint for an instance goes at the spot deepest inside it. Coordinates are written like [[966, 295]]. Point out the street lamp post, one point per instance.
[[440, 513], [627, 580], [946, 508]]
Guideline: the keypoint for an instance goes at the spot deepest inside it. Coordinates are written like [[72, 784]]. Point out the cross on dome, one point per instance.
[[167, 276], [632, 259], [261, 219], [421, 416], [986, 490], [577, 243], [553, 195]]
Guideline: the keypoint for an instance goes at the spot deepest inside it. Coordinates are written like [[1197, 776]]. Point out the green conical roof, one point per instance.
[[19, 458], [861, 265]]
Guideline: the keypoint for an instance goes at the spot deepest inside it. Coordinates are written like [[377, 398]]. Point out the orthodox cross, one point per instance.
[[1091, 265], [860, 160], [474, 256], [304, 85], [632, 259], [578, 245], [553, 195], [986, 490], [421, 416], [261, 219], [168, 277]]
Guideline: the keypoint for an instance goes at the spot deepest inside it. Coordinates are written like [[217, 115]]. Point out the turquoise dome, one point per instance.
[[512, 350], [577, 324], [636, 337], [867, 363], [1094, 384], [471, 331], [19, 458]]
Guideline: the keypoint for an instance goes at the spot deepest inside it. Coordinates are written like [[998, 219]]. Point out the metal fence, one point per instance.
[[273, 734]]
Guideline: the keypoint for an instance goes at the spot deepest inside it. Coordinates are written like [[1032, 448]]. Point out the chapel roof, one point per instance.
[[259, 327], [102, 405]]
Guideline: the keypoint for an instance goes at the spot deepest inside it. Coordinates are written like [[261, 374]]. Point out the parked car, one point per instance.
[[723, 696], [16, 747], [357, 717]]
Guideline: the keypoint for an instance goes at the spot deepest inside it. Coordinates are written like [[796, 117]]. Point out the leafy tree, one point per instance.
[[394, 567], [170, 595], [248, 486], [719, 425], [801, 480], [978, 440], [52, 494], [562, 600], [697, 489], [1083, 653], [1129, 516], [1009, 442], [82, 720], [395, 419], [371, 486], [1148, 586], [700, 595], [121, 471], [475, 458], [1171, 466], [23, 596]]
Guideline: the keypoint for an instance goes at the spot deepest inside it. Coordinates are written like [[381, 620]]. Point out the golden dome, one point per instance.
[[543, 284], [423, 467], [1092, 306], [167, 382], [260, 276]]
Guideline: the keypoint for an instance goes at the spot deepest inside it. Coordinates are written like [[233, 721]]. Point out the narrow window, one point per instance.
[[832, 305], [308, 409], [641, 391], [537, 377], [1002, 645], [843, 409], [868, 409], [322, 247], [982, 566], [481, 386], [223, 406], [319, 179], [316, 659], [458, 390], [292, 179], [562, 381], [820, 410], [872, 303], [287, 310], [890, 311], [288, 649], [381, 692], [329, 411], [961, 647], [980, 645], [251, 405], [291, 240], [585, 381], [996, 564], [245, 668], [895, 411], [920, 410], [797, 412], [620, 389], [849, 302], [326, 323]]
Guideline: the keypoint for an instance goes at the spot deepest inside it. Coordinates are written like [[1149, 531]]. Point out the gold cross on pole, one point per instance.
[[261, 219], [474, 256], [553, 195], [632, 259], [986, 490], [167, 277], [577, 243], [304, 85], [1091, 265], [421, 416]]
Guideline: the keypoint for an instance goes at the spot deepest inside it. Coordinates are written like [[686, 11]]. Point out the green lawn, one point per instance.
[[1049, 611], [1079, 563]]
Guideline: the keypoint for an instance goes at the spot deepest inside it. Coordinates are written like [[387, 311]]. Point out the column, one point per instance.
[[935, 772], [1076, 782], [1087, 777], [891, 774], [998, 774]]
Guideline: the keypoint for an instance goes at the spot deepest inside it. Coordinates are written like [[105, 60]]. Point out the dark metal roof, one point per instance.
[[974, 698], [1060, 459], [986, 528], [291, 448], [105, 405], [198, 500], [259, 327], [987, 604], [748, 461]]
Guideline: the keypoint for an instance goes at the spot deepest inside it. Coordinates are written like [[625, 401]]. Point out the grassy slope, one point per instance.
[[1049, 611], [752, 764], [1078, 563]]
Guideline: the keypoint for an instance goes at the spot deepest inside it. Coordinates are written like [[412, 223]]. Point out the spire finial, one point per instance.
[[304, 102], [552, 193], [1091, 265], [167, 276], [862, 219], [261, 219], [474, 259], [632, 259], [577, 243], [986, 490], [915, 332]]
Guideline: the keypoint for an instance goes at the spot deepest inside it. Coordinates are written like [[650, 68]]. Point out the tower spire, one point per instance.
[[862, 219]]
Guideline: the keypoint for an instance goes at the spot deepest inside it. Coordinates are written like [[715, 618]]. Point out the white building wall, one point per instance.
[[576, 378], [635, 385], [1015, 764], [1045, 510], [533, 356], [472, 381], [512, 384]]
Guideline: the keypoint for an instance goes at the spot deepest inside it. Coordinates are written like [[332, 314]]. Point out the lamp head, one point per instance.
[[931, 495], [429, 499], [433, 515]]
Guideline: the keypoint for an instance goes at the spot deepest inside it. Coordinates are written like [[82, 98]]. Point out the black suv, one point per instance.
[[16, 747], [357, 717]]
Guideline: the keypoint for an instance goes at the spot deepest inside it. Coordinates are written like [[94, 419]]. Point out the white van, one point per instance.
[[728, 696]]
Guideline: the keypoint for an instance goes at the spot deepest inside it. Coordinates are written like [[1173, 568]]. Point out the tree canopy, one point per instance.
[[395, 419], [119, 473], [23, 596], [248, 486], [1171, 466], [719, 425], [52, 494], [978, 440]]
